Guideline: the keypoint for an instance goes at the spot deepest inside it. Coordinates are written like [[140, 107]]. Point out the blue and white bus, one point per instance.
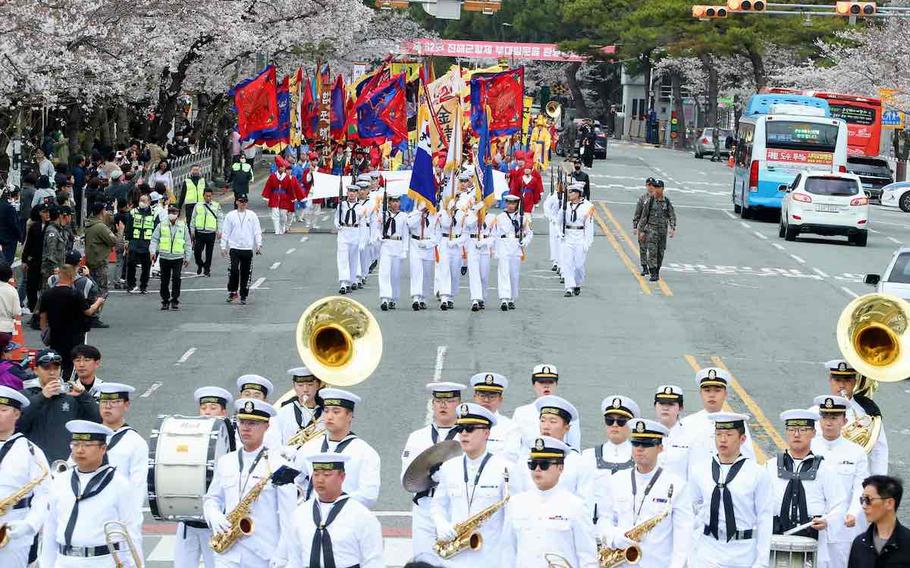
[[780, 135]]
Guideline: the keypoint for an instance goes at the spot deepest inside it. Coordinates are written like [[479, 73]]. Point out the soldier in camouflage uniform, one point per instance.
[[657, 219], [642, 239], [57, 241]]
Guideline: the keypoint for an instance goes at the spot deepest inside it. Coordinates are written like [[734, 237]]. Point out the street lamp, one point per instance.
[[502, 30]]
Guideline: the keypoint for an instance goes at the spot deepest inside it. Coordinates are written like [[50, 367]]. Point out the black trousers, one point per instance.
[[204, 242], [33, 285], [188, 212], [170, 279], [240, 272], [145, 260]]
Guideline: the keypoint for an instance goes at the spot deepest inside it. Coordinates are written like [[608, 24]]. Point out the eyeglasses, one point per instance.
[[866, 501], [487, 395], [110, 402], [471, 428], [543, 465], [446, 401], [77, 445], [616, 421], [799, 429]]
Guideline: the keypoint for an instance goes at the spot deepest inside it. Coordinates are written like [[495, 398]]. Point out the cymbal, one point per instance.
[[417, 477]]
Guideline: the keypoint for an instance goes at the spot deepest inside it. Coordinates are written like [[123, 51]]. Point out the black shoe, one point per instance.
[[392, 305], [175, 306], [423, 305], [464, 270], [451, 305], [568, 294], [198, 270], [482, 305], [475, 307], [230, 297], [373, 266], [576, 290], [415, 306], [242, 301], [554, 268], [504, 307], [562, 280], [443, 306], [165, 306], [34, 323], [654, 277], [143, 291], [208, 274], [343, 290], [384, 306], [100, 324], [644, 271], [349, 289], [511, 305]]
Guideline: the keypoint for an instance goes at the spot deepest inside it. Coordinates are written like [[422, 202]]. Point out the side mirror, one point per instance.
[[872, 279], [783, 187]]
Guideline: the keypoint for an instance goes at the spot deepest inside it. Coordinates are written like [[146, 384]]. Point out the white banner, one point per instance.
[[326, 185]]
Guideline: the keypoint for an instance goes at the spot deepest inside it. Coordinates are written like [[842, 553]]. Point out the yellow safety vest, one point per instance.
[[193, 191], [173, 244], [203, 219], [143, 225], [245, 167]]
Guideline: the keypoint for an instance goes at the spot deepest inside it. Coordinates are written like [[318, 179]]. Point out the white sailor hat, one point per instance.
[[712, 377], [328, 461], [256, 383], [12, 398], [471, 414], [114, 391], [668, 393], [338, 397], [253, 409], [799, 417], [364, 177], [87, 431], [831, 404], [510, 197], [446, 389], [374, 174], [544, 372], [647, 432], [840, 368], [577, 186], [354, 187], [548, 448], [489, 382], [556, 405], [217, 395], [302, 375], [727, 420], [466, 175], [363, 185], [622, 405]]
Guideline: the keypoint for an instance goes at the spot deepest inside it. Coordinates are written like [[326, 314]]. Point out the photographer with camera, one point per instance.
[[52, 404]]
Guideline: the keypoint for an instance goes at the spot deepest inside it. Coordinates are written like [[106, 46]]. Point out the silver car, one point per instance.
[[896, 280], [704, 143]]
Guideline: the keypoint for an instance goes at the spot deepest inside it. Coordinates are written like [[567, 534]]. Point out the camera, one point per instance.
[[65, 386]]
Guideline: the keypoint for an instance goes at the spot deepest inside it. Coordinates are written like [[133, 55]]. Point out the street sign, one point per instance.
[[892, 119]]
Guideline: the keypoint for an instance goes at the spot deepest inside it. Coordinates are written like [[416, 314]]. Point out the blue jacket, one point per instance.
[[10, 227]]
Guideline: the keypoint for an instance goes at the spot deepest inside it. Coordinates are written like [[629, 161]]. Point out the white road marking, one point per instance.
[[441, 351], [257, 283], [275, 265], [778, 246], [893, 240], [183, 358], [304, 238], [150, 390], [761, 236], [728, 214], [182, 290], [820, 273], [290, 251], [798, 259], [745, 225], [849, 291]]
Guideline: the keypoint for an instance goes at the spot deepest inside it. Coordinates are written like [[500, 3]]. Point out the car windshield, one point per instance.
[[832, 186], [901, 272]]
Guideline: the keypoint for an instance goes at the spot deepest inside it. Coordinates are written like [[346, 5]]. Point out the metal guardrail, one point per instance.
[[180, 167]]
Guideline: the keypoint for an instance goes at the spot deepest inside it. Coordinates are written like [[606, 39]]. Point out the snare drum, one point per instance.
[[182, 457], [789, 551]]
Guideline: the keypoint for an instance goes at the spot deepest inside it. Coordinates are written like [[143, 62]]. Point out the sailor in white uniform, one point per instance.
[[392, 233], [347, 223], [452, 235], [259, 388], [712, 383], [298, 412], [544, 381], [444, 399], [422, 256], [552, 210], [547, 525], [511, 237], [556, 415], [479, 247], [505, 435], [668, 407], [576, 236]]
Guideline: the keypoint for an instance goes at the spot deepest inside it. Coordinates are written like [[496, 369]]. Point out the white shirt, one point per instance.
[[361, 479], [505, 439], [569, 480], [878, 457], [22, 464], [593, 475], [503, 231], [551, 210], [130, 455], [356, 535], [9, 307], [241, 231], [527, 417], [848, 461], [675, 457], [579, 223], [701, 438], [287, 419], [539, 523], [397, 243], [623, 509]]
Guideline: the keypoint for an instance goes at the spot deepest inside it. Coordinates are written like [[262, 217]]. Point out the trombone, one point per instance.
[[116, 532]]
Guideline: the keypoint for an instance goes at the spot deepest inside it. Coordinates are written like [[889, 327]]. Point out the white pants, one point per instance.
[[574, 257], [478, 268], [280, 220], [189, 544], [365, 258], [390, 270], [347, 258], [423, 533], [555, 245], [106, 561], [838, 555], [449, 269], [15, 554], [246, 560], [508, 270], [421, 268]]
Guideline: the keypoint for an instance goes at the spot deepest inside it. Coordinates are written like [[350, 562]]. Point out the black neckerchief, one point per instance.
[[321, 553], [102, 478], [793, 508], [8, 445], [722, 493]]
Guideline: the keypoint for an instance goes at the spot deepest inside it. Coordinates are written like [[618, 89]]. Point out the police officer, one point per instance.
[[303, 409], [577, 234], [53, 254], [444, 400], [347, 223], [636, 225], [668, 406], [392, 233], [544, 381], [658, 218], [843, 380], [193, 187], [511, 240], [505, 435], [139, 228], [547, 525], [206, 227], [170, 245], [240, 177]]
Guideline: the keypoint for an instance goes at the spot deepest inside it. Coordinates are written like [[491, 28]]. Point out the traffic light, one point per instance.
[[746, 5], [709, 12], [855, 8]]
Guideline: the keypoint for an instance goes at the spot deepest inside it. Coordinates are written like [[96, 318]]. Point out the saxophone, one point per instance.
[[467, 534], [7, 502], [239, 517], [312, 430], [611, 557]]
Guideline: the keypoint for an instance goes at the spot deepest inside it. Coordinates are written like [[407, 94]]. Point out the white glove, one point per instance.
[[19, 529], [445, 531], [622, 541], [218, 522], [435, 476]]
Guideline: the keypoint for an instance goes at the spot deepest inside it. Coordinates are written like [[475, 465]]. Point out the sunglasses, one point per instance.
[[616, 421], [49, 360], [866, 501], [471, 428], [642, 444], [543, 465]]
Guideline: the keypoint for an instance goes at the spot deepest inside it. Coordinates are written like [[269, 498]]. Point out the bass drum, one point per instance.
[[182, 457], [788, 551]]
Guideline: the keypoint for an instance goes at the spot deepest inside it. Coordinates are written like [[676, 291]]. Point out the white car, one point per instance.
[[897, 195], [896, 280], [825, 204]]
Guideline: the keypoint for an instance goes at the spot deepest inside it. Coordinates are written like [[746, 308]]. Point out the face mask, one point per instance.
[[15, 204], [172, 217], [143, 205], [577, 168], [195, 177]]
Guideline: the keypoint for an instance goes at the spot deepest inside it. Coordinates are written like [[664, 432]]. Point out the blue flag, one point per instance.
[[423, 181]]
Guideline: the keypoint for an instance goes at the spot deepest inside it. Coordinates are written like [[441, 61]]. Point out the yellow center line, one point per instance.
[[753, 406], [760, 456], [622, 255], [632, 245]]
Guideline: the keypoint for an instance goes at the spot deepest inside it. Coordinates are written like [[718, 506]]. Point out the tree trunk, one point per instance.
[[676, 89], [170, 88], [759, 75], [73, 126], [710, 70], [123, 125], [581, 108], [901, 142]]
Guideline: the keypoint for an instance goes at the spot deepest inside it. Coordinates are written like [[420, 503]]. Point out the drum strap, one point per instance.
[[231, 434], [94, 486], [322, 541], [793, 508], [721, 492]]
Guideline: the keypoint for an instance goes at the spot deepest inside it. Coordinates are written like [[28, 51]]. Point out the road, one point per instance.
[[733, 295]]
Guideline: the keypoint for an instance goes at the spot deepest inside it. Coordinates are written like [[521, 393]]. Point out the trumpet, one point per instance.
[[116, 532], [59, 467]]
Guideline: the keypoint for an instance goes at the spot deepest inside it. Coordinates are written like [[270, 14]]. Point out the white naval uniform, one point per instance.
[[348, 254], [394, 241], [456, 500], [21, 464], [505, 439], [878, 457], [366, 219], [272, 512], [701, 438], [848, 461], [129, 453], [528, 419], [451, 247], [509, 253], [675, 457], [626, 506], [422, 256], [355, 533], [479, 247], [552, 209], [752, 495], [538, 523], [824, 497], [569, 481], [576, 241], [291, 418], [112, 503], [361, 480], [595, 471], [423, 531]]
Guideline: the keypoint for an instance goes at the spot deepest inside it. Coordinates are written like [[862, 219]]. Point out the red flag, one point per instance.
[[339, 107], [382, 113], [256, 101], [503, 93]]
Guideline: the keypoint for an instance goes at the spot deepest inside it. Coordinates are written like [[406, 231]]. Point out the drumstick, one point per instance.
[[803, 526]]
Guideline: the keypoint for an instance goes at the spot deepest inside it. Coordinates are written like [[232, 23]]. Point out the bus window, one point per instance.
[[744, 145], [797, 135]]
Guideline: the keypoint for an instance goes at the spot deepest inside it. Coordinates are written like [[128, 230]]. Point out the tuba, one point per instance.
[[553, 110], [10, 500], [114, 533], [467, 534]]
